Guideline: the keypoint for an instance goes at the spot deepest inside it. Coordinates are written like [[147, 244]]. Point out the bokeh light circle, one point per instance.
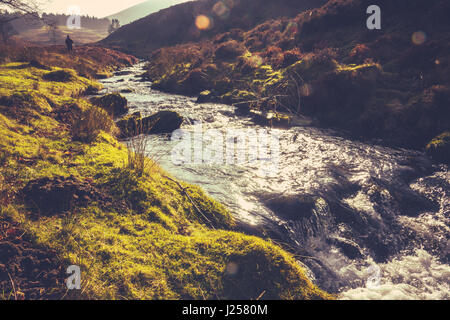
[[202, 22], [419, 38], [221, 10]]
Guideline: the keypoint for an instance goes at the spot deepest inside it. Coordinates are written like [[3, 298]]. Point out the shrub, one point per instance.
[[114, 103], [58, 76], [229, 50], [359, 53], [291, 57], [439, 148], [138, 161], [91, 122]]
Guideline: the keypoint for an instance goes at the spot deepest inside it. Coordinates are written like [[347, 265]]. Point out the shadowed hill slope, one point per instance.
[[391, 84], [177, 24]]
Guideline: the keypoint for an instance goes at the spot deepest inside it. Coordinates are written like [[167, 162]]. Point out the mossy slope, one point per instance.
[[164, 240]]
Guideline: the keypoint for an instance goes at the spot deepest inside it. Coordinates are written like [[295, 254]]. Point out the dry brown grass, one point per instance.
[[91, 122], [139, 160]]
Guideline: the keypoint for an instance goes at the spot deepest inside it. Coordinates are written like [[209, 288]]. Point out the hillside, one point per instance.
[[391, 84], [143, 9], [179, 24]]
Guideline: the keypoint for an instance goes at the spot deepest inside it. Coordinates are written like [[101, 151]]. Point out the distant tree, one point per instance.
[[52, 25], [6, 28], [115, 24], [21, 8]]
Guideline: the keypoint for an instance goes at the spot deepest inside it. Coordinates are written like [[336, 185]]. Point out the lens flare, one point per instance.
[[419, 37], [221, 10], [202, 22]]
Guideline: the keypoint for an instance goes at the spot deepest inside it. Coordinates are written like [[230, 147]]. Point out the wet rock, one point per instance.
[[439, 148], [163, 122], [130, 126], [205, 96], [159, 123], [348, 247], [101, 76], [412, 203], [114, 104], [91, 91], [278, 120], [292, 207], [195, 82], [405, 200], [122, 73], [128, 90]]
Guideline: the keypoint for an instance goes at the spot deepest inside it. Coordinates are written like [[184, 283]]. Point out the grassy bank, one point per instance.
[[70, 194], [390, 84]]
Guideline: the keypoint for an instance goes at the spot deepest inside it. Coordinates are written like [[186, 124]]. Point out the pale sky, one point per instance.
[[98, 8]]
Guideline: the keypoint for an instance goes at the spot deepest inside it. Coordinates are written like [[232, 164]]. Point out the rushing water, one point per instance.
[[366, 221]]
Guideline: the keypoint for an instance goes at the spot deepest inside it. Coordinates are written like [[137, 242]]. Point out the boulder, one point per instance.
[[292, 207], [130, 126], [348, 247], [163, 122], [205, 96], [439, 148], [91, 91], [128, 90], [159, 123], [194, 83], [102, 76], [114, 104], [122, 73]]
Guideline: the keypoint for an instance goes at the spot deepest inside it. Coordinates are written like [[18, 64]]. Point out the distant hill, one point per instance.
[[143, 9], [52, 29], [177, 24]]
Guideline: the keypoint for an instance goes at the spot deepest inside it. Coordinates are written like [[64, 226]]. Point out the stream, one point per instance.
[[366, 221]]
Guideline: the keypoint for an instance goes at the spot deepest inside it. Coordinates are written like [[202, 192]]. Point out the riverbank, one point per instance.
[[71, 194], [389, 85], [345, 207]]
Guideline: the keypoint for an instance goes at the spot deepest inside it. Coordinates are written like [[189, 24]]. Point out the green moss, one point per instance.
[[439, 148]]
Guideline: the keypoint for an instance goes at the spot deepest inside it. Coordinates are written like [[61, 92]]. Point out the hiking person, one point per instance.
[[69, 44]]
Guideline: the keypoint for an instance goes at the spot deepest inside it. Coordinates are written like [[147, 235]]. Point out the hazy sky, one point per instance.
[[98, 8]]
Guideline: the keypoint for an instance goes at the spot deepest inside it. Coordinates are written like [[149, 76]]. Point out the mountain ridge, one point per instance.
[[141, 10], [157, 30]]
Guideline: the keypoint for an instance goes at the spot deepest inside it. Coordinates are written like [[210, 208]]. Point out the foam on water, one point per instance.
[[417, 276]]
